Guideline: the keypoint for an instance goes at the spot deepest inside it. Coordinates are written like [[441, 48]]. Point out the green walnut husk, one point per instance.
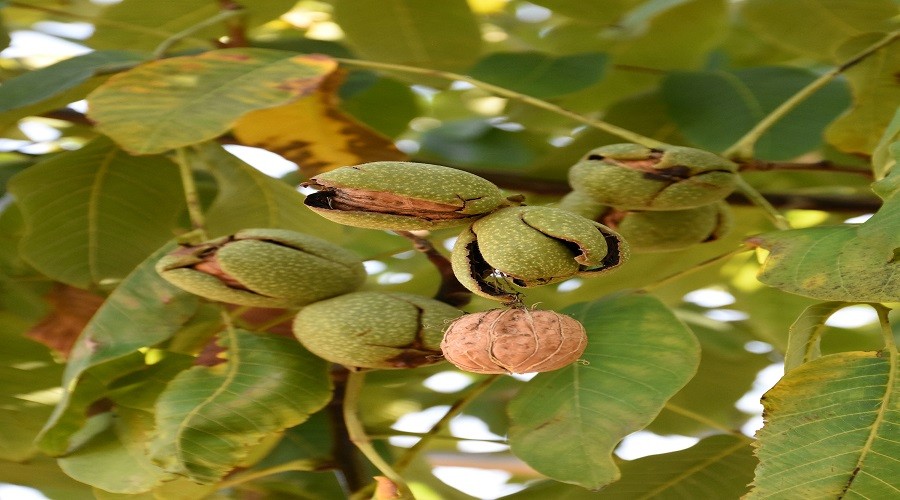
[[658, 231], [634, 177], [264, 268], [532, 246], [582, 204], [385, 330], [401, 195]]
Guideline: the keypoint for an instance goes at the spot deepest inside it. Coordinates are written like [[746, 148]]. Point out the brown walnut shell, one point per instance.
[[515, 340]]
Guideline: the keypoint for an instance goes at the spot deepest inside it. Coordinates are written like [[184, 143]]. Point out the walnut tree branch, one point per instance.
[[451, 291]]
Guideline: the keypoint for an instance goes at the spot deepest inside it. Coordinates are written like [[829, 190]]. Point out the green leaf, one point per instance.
[[799, 26], [598, 13], [715, 108], [144, 310], [30, 379], [115, 460], [43, 474], [566, 423], [830, 263], [882, 159], [726, 372], [716, 467], [48, 82], [180, 101], [440, 35], [95, 213], [849, 263], [369, 105], [677, 37], [209, 417], [249, 198], [540, 75], [476, 143], [144, 25], [876, 96], [806, 334], [831, 430]]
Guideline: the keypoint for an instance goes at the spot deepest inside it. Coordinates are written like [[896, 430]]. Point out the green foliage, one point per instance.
[[80, 208], [566, 423], [847, 405], [163, 395], [145, 110]]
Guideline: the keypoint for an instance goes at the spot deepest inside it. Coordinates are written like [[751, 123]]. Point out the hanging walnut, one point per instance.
[[634, 177], [514, 340], [264, 268], [402, 195], [532, 246]]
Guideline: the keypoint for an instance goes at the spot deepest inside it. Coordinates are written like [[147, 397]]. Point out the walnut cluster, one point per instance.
[[513, 340]]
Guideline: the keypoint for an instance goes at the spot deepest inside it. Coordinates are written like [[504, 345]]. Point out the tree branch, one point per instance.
[[347, 459], [451, 290]]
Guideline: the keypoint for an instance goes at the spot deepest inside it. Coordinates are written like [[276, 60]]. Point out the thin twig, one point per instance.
[[819, 166], [696, 267], [696, 417], [350, 469], [743, 148], [451, 290], [478, 389], [357, 433], [166, 44], [760, 201], [195, 212], [294, 465], [97, 20], [509, 94]]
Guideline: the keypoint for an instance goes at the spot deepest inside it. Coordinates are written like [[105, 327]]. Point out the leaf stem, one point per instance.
[[760, 201], [292, 466], [886, 331], [195, 211], [509, 94], [743, 148], [696, 267], [478, 389], [451, 290], [167, 44], [355, 381], [684, 412]]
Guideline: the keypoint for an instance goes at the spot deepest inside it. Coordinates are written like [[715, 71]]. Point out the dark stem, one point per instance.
[[451, 291], [237, 27], [828, 203], [819, 166], [351, 472]]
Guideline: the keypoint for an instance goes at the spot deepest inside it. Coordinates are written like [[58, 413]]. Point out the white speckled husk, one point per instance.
[[711, 178], [385, 330]]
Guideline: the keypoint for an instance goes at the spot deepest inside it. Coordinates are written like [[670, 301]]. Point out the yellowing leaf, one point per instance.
[[831, 430], [181, 101], [876, 96], [313, 133]]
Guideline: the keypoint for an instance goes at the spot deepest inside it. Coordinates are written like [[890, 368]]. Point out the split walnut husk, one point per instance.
[[656, 230], [398, 195], [634, 177], [532, 246], [386, 330], [264, 268], [514, 340]]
